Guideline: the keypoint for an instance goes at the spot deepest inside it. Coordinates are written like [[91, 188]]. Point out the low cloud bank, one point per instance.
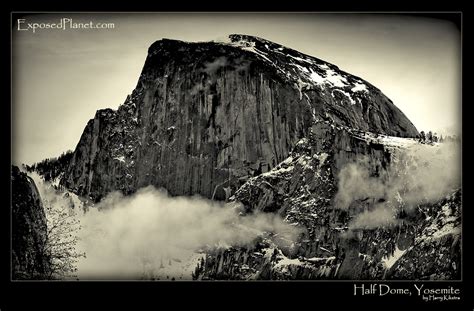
[[417, 175], [151, 235]]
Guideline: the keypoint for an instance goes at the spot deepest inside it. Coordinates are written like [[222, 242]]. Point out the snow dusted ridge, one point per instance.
[[52, 193], [376, 138], [388, 141], [304, 71]]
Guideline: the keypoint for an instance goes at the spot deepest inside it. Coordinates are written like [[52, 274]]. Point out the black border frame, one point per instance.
[[144, 295]]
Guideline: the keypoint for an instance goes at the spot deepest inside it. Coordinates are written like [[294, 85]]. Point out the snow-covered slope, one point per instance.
[[304, 71]]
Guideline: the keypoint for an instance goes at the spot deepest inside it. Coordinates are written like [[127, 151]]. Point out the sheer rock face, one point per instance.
[[205, 116], [28, 229], [254, 122]]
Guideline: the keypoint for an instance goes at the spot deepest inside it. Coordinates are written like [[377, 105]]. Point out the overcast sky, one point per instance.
[[61, 77]]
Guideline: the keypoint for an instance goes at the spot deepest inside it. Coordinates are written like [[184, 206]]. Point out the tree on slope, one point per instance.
[[61, 241]]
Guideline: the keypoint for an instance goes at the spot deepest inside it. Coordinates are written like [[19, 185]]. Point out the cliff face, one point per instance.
[[424, 242], [254, 122], [207, 116], [28, 229]]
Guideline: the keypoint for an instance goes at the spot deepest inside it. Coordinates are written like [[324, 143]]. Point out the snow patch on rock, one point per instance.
[[120, 158], [389, 261]]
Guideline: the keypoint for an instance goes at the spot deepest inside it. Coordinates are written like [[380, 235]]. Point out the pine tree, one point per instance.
[[429, 137], [422, 137]]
